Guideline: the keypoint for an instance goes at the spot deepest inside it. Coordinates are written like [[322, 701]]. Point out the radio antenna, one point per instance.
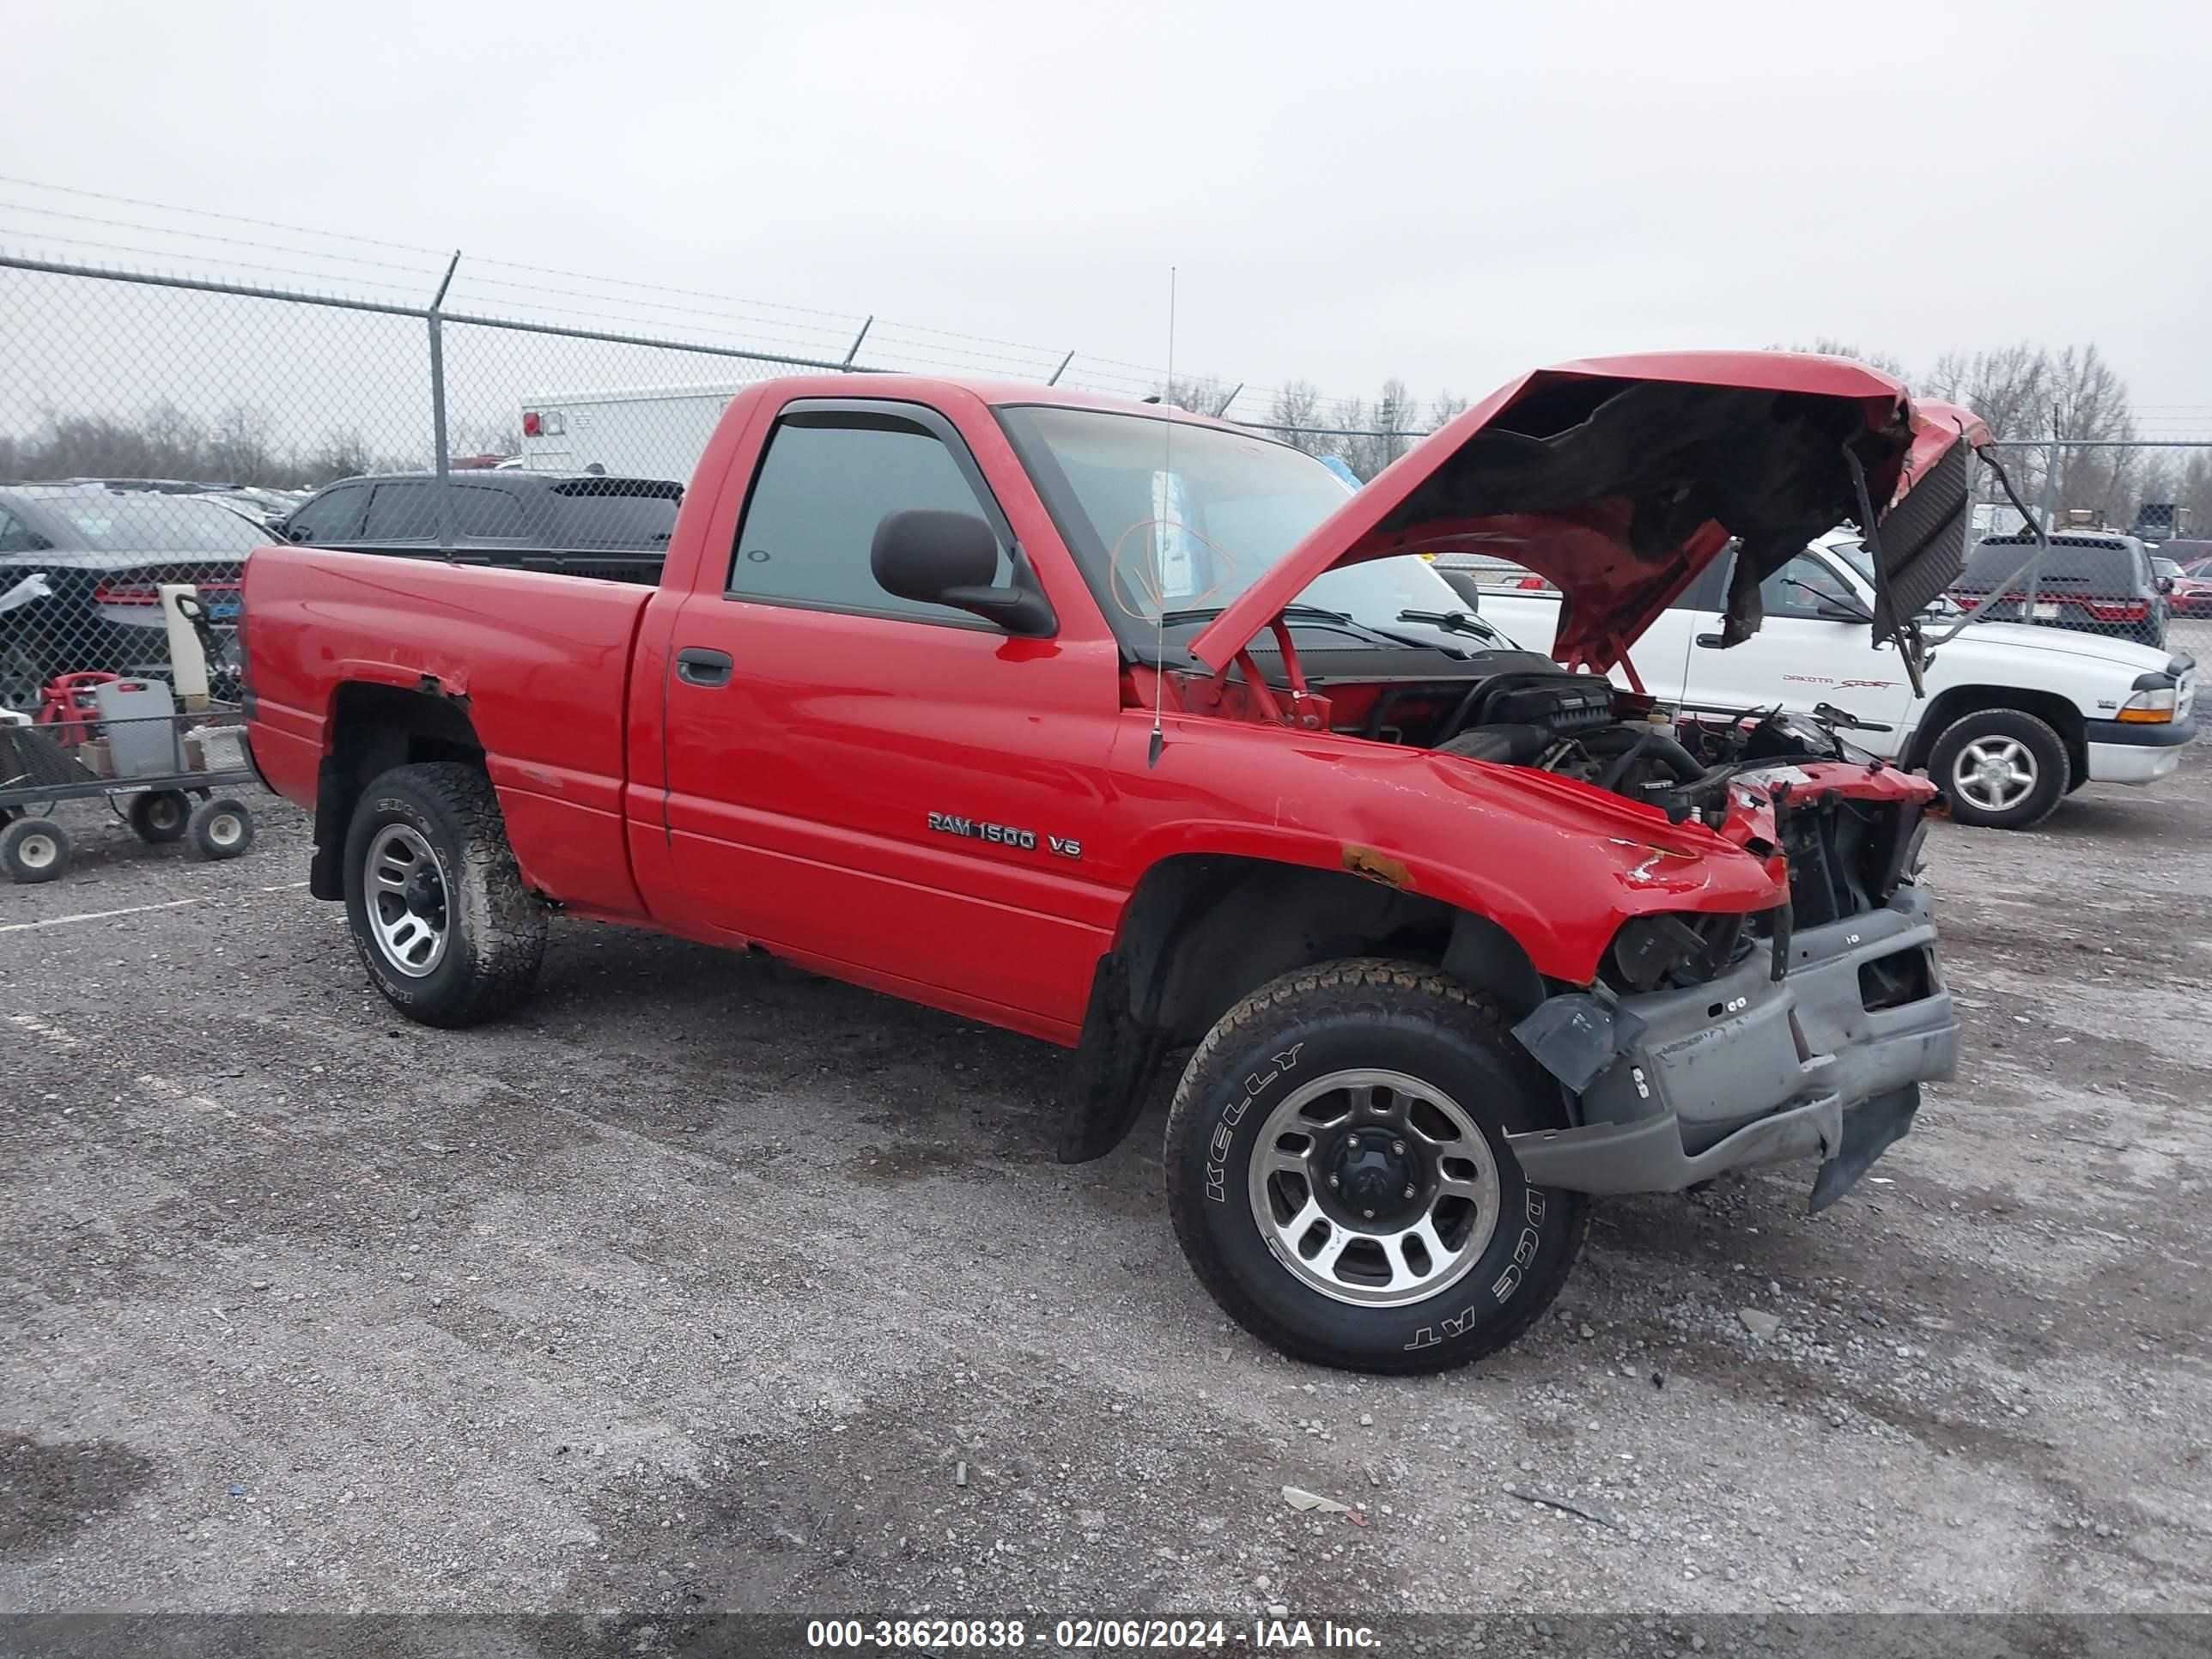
[[1162, 505]]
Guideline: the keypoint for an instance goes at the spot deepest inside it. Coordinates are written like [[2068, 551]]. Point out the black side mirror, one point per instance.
[[936, 557], [1463, 583], [1827, 612], [2166, 584], [291, 532]]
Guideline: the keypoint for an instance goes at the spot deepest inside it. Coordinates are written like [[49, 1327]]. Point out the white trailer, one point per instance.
[[643, 431]]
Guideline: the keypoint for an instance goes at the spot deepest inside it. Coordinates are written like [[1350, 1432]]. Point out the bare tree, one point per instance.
[[1297, 403], [1395, 415], [2194, 491], [240, 450], [343, 454], [1831, 348], [1202, 394], [491, 436], [1354, 442], [2090, 402]]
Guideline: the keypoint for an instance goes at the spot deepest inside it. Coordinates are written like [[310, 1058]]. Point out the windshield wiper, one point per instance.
[[1315, 613], [1208, 613], [1454, 622]]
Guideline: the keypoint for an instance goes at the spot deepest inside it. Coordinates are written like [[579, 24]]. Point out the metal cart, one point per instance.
[[167, 773]]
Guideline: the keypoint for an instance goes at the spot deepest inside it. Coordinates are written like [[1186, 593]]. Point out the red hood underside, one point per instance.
[[1621, 478]]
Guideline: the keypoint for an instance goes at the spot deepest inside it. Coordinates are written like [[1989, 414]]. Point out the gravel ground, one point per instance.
[[706, 1284]]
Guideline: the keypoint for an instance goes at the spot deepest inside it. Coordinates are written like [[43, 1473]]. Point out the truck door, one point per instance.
[[1807, 651], [896, 792]]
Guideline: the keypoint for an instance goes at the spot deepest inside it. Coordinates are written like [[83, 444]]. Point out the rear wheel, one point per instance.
[[34, 850], [159, 815], [1338, 1176], [2001, 768], [434, 898]]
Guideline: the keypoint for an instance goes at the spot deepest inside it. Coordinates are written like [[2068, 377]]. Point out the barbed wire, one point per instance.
[[210, 213], [624, 306]]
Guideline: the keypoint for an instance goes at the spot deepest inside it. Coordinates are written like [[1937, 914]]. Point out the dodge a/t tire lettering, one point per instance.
[[1338, 1176]]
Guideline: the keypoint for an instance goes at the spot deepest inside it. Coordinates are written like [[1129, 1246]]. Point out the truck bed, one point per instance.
[[551, 653]]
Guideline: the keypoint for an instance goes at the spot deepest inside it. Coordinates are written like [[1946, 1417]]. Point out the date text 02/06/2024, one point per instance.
[[1079, 1635]]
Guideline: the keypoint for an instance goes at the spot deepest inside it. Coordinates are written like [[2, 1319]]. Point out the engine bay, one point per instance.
[[1845, 854], [1514, 708]]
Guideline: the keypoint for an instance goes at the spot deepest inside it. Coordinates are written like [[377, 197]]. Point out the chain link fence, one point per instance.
[[155, 429]]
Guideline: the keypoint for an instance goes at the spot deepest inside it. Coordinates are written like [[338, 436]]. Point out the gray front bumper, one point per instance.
[[1746, 1071]]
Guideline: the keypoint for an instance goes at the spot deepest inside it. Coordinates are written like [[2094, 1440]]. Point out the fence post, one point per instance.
[[855, 350], [438, 408]]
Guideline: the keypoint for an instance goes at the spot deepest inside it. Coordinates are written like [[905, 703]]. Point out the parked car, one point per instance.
[[2194, 556], [581, 524], [2186, 594], [2093, 581], [102, 552], [929, 698], [262, 506], [2014, 718]]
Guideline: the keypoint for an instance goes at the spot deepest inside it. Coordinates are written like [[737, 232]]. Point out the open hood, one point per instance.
[[1620, 478]]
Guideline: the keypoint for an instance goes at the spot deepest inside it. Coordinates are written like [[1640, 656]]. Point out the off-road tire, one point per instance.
[[32, 850], [1363, 1013], [160, 816], [221, 829], [496, 926], [2054, 768]]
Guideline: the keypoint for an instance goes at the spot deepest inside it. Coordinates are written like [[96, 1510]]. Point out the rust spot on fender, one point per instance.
[[1378, 866]]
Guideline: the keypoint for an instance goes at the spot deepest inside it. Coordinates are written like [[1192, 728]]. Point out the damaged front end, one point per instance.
[[1715, 1043]]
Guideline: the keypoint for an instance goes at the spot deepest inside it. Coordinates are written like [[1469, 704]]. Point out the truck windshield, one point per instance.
[[1173, 519]]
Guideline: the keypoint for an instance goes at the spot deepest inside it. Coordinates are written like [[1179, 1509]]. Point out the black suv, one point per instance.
[[81, 565], [583, 524], [2095, 582]]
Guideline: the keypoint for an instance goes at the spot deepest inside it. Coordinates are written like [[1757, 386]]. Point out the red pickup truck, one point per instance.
[[1137, 731]]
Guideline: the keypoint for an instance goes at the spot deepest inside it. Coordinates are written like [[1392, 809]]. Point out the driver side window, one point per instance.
[[1802, 586], [17, 536]]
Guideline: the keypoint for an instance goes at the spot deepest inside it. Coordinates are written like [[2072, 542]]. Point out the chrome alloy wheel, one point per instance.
[[1996, 774], [1374, 1187], [406, 897]]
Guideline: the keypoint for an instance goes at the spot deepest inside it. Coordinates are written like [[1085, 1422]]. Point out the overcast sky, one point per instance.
[[1450, 192]]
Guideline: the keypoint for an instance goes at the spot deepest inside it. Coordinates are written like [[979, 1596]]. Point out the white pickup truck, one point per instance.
[[2015, 718]]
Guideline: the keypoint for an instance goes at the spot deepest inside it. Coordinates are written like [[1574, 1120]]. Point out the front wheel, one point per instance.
[[433, 899], [2003, 769], [1339, 1177]]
